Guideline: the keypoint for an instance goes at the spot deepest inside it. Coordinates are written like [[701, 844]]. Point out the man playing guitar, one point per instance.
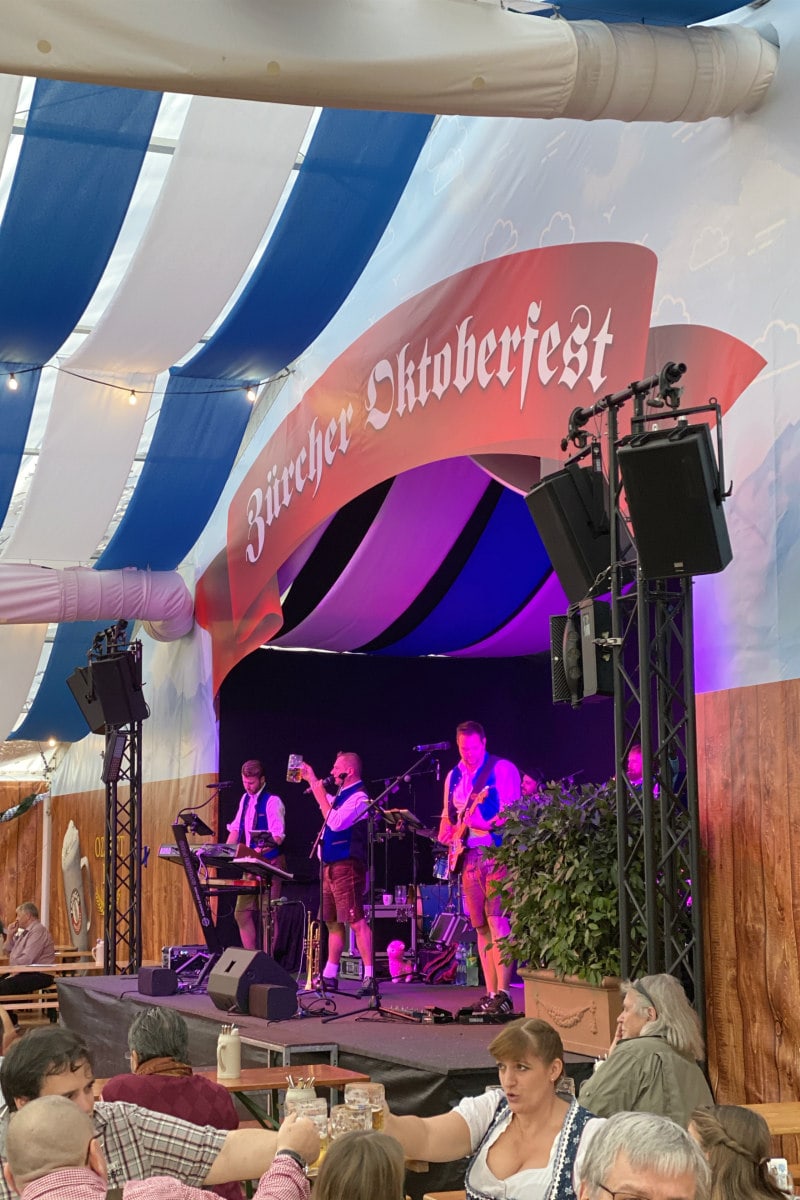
[[476, 792]]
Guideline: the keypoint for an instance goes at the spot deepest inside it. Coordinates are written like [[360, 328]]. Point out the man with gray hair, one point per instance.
[[27, 941], [641, 1156], [52, 1149], [162, 1079]]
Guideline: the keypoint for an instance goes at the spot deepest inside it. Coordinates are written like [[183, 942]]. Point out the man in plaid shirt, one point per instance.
[[137, 1143], [53, 1151]]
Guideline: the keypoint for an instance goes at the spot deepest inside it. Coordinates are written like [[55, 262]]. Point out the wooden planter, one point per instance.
[[585, 1016]]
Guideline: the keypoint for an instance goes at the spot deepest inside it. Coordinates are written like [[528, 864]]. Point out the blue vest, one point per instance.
[[260, 825], [489, 807], [566, 1151], [338, 844]]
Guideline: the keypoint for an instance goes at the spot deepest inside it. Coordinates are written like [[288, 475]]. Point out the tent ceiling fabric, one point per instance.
[[434, 56], [230, 271]]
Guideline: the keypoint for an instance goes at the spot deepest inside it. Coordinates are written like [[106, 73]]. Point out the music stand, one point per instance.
[[253, 863]]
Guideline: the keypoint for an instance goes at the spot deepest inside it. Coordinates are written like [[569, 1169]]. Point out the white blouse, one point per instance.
[[533, 1182]]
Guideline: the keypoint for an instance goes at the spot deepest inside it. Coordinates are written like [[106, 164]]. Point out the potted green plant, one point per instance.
[[561, 893]]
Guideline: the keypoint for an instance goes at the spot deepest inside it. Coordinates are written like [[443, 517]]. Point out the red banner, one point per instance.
[[491, 360]]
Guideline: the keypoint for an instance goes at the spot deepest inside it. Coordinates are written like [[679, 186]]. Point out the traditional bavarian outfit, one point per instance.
[[552, 1182]]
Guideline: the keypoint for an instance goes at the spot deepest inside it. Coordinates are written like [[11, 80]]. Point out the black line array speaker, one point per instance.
[[569, 512], [114, 685], [80, 684], [671, 483], [237, 970], [157, 981]]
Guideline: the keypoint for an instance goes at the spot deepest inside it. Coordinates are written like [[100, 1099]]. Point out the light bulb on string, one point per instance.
[[251, 394], [132, 397], [13, 382]]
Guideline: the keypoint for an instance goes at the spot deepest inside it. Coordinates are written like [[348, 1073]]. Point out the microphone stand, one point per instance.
[[375, 1007]]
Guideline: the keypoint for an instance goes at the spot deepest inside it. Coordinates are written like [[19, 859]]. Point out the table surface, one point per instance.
[[59, 968], [260, 1079], [263, 1079], [782, 1116]]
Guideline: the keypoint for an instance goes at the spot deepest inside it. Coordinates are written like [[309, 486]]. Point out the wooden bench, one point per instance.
[[34, 1008]]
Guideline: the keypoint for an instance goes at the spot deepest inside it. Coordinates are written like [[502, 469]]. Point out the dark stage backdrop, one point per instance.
[[277, 702]]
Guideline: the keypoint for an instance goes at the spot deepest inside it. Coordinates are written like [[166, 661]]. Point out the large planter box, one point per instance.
[[585, 1016]]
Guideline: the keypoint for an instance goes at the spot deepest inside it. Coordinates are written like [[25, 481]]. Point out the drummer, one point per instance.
[[260, 825], [532, 784]]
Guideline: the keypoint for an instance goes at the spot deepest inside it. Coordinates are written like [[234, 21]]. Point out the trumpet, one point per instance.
[[312, 950]]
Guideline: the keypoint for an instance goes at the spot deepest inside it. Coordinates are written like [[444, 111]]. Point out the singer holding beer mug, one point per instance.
[[260, 825], [343, 854], [27, 941]]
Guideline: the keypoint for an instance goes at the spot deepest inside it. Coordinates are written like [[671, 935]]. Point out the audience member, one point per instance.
[[525, 1140], [162, 1080], [27, 941], [736, 1143], [137, 1143], [52, 1150], [652, 1064], [362, 1166], [641, 1154]]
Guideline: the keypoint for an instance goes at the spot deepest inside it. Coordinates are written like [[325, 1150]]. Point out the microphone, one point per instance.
[[430, 746], [223, 783], [327, 782]]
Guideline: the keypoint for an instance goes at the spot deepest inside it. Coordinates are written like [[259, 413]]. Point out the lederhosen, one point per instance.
[[566, 1151]]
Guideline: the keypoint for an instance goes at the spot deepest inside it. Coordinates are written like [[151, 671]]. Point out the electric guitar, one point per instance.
[[458, 843]]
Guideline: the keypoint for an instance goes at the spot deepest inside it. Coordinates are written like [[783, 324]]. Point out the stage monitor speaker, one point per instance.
[[80, 684], [570, 514], [157, 981], [671, 484], [272, 1002], [237, 970], [115, 686]]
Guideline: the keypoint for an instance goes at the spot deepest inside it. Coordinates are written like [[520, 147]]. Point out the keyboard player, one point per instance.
[[260, 824]]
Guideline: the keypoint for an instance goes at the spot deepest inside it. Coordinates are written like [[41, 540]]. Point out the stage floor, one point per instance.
[[426, 1069]]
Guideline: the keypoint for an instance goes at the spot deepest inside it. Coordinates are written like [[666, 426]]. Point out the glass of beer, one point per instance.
[[373, 1094], [293, 772], [346, 1117], [316, 1111]]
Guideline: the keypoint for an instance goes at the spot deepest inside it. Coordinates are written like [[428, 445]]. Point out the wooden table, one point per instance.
[[273, 1080], [56, 968], [782, 1116]]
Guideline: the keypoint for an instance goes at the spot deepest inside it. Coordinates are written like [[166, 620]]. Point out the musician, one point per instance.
[[532, 784], [259, 824], [343, 852], [476, 792]]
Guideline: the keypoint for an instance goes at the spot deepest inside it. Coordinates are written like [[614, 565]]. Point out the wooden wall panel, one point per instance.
[[749, 756], [20, 850], [168, 916]]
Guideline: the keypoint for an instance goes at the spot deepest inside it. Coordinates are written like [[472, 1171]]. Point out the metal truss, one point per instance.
[[652, 647], [658, 821], [122, 775]]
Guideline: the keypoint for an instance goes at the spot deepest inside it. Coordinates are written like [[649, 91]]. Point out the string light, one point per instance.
[[251, 394], [13, 382], [132, 397]]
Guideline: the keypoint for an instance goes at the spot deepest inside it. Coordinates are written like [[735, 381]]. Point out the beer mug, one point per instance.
[[315, 1111], [347, 1117], [372, 1094], [293, 772]]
